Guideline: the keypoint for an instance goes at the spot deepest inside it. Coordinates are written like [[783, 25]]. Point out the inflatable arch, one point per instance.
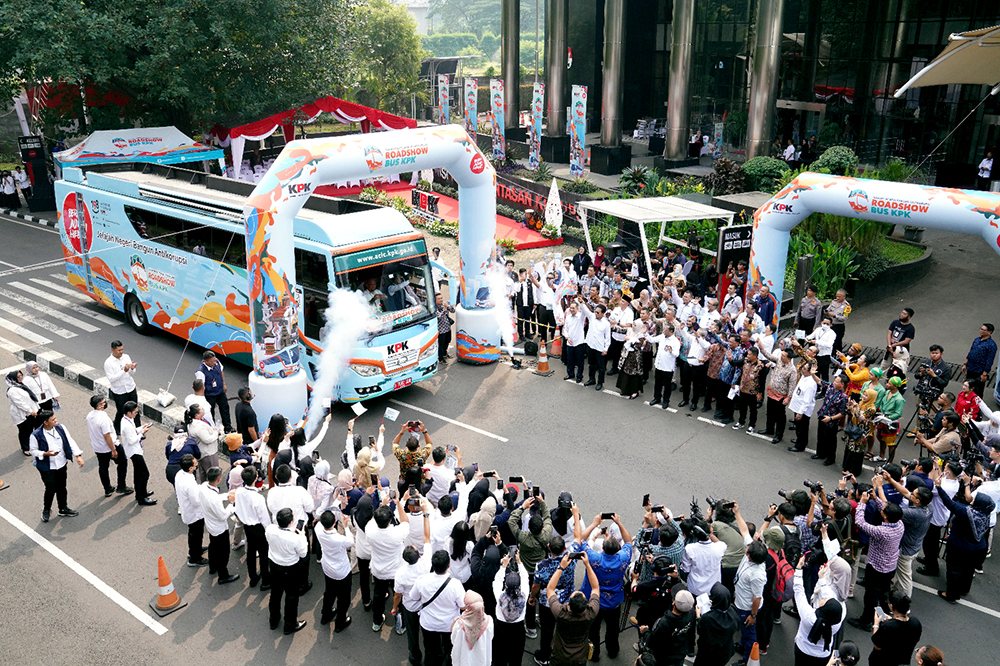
[[302, 166], [965, 211]]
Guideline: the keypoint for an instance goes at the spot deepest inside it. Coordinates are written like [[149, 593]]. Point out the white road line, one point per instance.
[[9, 346], [451, 421], [24, 333], [30, 225], [64, 303], [59, 277], [711, 422], [614, 393], [962, 602], [9, 264], [37, 321], [84, 573], [24, 300], [69, 291]]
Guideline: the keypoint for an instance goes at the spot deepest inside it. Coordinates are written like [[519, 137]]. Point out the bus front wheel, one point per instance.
[[136, 314]]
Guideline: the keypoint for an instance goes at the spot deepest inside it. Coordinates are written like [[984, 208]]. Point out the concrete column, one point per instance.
[[681, 50], [556, 19], [614, 73], [510, 28], [764, 81]]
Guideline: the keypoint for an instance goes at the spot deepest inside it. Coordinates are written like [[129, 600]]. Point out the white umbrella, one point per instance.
[[970, 57]]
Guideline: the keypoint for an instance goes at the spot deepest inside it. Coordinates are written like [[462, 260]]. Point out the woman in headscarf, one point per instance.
[[814, 641], [630, 365], [347, 491], [320, 488], [716, 629], [365, 467], [178, 446], [485, 562], [40, 385], [363, 512], [23, 408], [353, 448], [205, 435], [562, 517], [510, 587], [305, 472], [472, 634], [966, 549], [478, 494], [898, 367], [834, 581], [459, 547], [277, 428], [598, 259], [482, 520], [860, 415]]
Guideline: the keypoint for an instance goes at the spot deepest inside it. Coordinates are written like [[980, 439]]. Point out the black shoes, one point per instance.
[[793, 449], [108, 492], [124, 490], [69, 513], [769, 433], [229, 579], [654, 403], [146, 501], [694, 406], [45, 516], [924, 571], [567, 378], [599, 387], [682, 403], [305, 588], [264, 587], [197, 563], [706, 409], [346, 624], [589, 382], [775, 439], [299, 626]]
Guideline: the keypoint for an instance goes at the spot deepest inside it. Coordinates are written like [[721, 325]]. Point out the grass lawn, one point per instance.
[[901, 252]]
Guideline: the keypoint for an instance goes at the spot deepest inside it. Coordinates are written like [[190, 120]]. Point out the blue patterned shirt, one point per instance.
[[544, 571], [981, 356], [732, 366]]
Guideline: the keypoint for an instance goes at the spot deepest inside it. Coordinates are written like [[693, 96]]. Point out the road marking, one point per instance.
[[9, 346], [24, 300], [669, 409], [37, 321], [30, 225], [84, 573], [710, 421], [24, 333], [451, 421], [614, 393], [962, 602], [11, 265], [64, 303]]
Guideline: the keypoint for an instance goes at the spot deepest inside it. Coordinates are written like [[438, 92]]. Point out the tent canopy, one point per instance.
[[344, 111], [159, 145], [970, 57], [650, 210]]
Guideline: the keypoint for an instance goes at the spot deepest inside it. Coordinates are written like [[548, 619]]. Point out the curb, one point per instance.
[[28, 218], [93, 380]]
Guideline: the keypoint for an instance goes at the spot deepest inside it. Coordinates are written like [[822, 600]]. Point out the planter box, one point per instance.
[[894, 280]]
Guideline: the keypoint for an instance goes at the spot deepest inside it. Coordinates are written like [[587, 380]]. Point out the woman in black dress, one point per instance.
[[630, 364]]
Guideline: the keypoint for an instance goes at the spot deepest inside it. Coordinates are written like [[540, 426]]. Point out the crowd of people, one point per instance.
[[11, 184]]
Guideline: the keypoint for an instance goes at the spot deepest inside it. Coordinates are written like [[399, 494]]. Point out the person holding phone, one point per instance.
[[131, 442], [287, 495], [286, 547], [574, 618], [412, 454], [531, 544], [213, 506], [386, 543], [610, 565]]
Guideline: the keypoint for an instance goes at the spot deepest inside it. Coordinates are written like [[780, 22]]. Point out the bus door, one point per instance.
[[312, 289]]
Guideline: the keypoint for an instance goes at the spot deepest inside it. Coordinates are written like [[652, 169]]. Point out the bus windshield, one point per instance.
[[395, 280]]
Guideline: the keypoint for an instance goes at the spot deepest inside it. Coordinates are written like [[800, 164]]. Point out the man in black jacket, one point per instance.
[[668, 639]]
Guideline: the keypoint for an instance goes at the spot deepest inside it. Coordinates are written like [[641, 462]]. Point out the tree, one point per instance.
[[392, 52], [188, 63]]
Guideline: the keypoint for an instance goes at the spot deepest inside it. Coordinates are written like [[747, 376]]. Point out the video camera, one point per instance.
[[696, 513]]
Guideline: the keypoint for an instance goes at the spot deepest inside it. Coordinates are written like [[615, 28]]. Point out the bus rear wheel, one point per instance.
[[136, 314]]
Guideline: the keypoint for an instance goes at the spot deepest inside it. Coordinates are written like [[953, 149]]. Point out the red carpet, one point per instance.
[[527, 239]]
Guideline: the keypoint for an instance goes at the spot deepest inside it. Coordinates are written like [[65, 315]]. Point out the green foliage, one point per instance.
[[184, 63], [489, 44], [369, 194], [667, 187], [838, 160], [727, 178], [833, 265], [735, 129], [445, 190], [871, 267], [764, 173], [479, 16], [679, 230], [444, 45], [580, 186], [508, 244], [861, 236], [633, 179], [550, 231], [490, 71], [527, 55], [392, 57], [543, 174], [515, 214], [472, 63], [603, 231], [900, 253]]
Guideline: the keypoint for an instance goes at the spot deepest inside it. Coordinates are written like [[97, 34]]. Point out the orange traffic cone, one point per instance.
[[557, 344], [166, 601], [754, 659], [4, 486], [543, 363]]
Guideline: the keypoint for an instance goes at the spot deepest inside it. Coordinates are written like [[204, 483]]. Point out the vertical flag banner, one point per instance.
[[535, 127], [471, 107], [717, 140], [497, 118], [578, 130], [443, 110]]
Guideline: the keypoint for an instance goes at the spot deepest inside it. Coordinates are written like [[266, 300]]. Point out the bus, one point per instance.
[[166, 246]]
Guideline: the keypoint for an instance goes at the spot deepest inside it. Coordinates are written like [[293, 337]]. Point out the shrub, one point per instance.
[[369, 194], [580, 186], [550, 231], [633, 179], [508, 244], [511, 212], [543, 174], [728, 178], [833, 264], [764, 173], [838, 160]]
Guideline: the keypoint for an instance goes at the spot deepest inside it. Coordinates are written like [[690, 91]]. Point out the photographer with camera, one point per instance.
[[412, 454], [947, 441], [945, 483], [610, 566], [653, 595], [574, 618], [966, 549], [931, 426], [979, 360], [935, 371], [916, 521], [544, 571], [722, 517], [668, 639], [883, 554], [532, 543]]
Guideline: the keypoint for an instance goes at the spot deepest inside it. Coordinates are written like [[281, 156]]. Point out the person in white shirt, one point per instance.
[[131, 444], [119, 368], [940, 515], [415, 564], [53, 447], [620, 318], [576, 343], [825, 337], [749, 320], [336, 569], [286, 495], [802, 404], [213, 505], [545, 300], [985, 172], [698, 346], [251, 510], [440, 474], [789, 153], [23, 408], [703, 560], [510, 589], [386, 543], [445, 516], [205, 435], [732, 304], [197, 396], [664, 365], [439, 599], [598, 342], [189, 501], [23, 182], [372, 295], [41, 385], [104, 441], [286, 547], [686, 305]]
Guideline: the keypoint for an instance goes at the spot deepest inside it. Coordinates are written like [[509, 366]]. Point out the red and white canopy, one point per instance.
[[344, 111]]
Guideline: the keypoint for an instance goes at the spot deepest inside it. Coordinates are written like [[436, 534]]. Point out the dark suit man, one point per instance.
[[524, 299]]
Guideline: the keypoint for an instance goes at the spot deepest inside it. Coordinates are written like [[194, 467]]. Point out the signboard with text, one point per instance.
[[497, 119], [578, 130], [443, 101], [472, 108], [535, 126]]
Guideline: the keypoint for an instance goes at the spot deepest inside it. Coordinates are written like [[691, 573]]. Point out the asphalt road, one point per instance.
[[607, 451]]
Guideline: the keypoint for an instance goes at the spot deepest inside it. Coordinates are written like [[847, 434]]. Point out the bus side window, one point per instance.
[[311, 271], [230, 247], [143, 221]]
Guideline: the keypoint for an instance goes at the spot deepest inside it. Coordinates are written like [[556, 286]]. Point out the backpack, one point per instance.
[[849, 548], [783, 574], [792, 550]]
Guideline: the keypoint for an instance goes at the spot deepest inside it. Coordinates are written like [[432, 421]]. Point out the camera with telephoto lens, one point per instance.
[[711, 502], [908, 463], [695, 509], [813, 486], [783, 493]]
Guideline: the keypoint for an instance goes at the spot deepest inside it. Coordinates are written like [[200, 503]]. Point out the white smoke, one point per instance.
[[496, 278], [347, 320]]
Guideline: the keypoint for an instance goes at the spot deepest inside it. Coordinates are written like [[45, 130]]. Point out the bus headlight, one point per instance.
[[427, 353], [365, 370]]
